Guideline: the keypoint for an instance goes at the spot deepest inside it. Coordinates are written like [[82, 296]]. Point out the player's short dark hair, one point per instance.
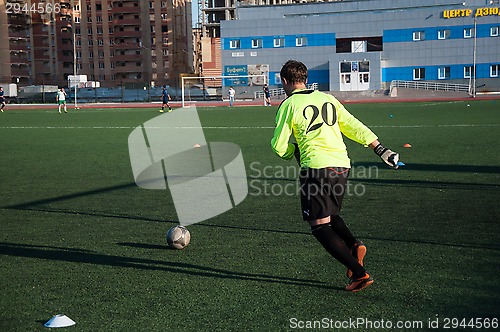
[[294, 72]]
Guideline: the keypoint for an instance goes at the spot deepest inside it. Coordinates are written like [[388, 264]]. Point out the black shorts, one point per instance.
[[322, 191]]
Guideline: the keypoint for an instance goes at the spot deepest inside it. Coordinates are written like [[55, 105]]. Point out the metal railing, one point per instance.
[[280, 92], [429, 86]]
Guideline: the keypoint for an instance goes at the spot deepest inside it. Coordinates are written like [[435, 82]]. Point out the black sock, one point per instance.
[[337, 248], [339, 227]]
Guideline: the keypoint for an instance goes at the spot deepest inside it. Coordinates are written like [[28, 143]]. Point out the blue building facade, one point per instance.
[[364, 45]]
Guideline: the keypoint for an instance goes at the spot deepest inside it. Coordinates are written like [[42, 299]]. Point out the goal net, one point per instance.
[[216, 87]]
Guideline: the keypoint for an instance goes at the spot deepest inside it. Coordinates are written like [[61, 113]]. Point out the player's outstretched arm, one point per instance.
[[389, 157]]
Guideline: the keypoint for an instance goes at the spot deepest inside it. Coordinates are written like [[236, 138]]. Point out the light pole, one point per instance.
[[74, 63], [474, 60]]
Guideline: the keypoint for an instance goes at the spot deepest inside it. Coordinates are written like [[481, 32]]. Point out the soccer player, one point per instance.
[[61, 100], [267, 96], [317, 120], [165, 97], [2, 99], [231, 94]]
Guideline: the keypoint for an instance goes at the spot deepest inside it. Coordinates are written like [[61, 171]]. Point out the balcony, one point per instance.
[[126, 46], [127, 57], [19, 21], [129, 68], [126, 9], [127, 34], [19, 35], [127, 21], [65, 58]]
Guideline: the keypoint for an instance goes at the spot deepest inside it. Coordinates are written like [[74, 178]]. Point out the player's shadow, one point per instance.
[[89, 257]]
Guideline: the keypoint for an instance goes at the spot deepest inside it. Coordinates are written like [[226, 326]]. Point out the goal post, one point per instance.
[[216, 87]]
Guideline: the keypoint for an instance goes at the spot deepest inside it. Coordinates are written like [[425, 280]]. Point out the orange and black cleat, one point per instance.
[[357, 284], [359, 252]]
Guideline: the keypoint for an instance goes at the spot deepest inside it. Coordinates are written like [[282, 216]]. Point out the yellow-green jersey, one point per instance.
[[317, 121]]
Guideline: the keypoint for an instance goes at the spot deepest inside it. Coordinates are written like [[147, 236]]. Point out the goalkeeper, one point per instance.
[[317, 121]]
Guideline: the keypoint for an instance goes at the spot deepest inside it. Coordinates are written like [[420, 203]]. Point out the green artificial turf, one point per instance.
[[79, 238]]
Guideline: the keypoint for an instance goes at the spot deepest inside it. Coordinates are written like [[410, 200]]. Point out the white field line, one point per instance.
[[246, 127]]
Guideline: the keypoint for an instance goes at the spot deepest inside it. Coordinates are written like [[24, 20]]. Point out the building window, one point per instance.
[[234, 43], [100, 42], [101, 65], [443, 73], [77, 19], [98, 18], [279, 42], [494, 70], [418, 35], [257, 43], [419, 74], [300, 41], [494, 31], [443, 34], [468, 32], [468, 71]]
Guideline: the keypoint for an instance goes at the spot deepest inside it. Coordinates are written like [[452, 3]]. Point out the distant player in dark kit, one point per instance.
[[165, 97], [267, 96], [317, 121], [2, 99]]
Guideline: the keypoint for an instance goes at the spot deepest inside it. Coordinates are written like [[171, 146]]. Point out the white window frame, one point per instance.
[[442, 73], [417, 74], [468, 71], [494, 69], [234, 44], [494, 31], [444, 34], [300, 41], [279, 42], [257, 43], [418, 35], [468, 32]]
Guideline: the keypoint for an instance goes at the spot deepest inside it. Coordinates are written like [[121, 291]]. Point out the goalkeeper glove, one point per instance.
[[389, 157], [296, 153]]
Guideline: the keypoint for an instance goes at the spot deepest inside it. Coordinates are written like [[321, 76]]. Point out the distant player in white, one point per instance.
[[61, 100], [231, 94], [2, 99]]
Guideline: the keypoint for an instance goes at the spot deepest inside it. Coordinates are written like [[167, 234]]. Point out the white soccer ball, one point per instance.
[[178, 237]]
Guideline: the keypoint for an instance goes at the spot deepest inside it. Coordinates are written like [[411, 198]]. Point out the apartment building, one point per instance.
[[113, 42]]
